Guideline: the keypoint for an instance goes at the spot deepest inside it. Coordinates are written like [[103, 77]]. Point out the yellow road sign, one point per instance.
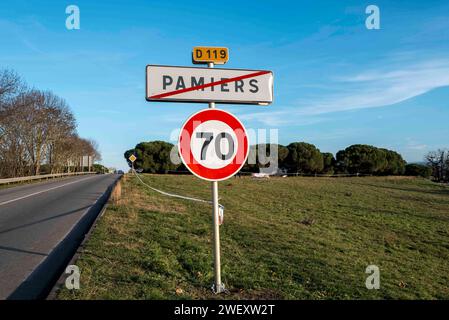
[[132, 158], [217, 55]]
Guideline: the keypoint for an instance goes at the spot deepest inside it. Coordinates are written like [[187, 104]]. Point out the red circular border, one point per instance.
[[186, 153]]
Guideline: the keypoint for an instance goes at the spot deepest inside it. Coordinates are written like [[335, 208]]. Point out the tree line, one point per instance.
[[305, 158], [38, 132]]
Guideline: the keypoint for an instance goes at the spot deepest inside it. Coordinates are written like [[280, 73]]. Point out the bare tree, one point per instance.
[[95, 152], [439, 162], [12, 154], [10, 84], [37, 128]]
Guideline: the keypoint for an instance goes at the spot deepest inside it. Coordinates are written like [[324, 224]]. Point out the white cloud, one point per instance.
[[379, 87], [396, 79], [415, 145], [279, 118]]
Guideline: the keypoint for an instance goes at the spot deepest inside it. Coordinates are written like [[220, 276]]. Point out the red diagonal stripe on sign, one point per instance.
[[212, 84]]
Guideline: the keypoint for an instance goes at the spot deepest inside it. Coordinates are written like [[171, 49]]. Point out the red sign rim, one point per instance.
[[185, 152]]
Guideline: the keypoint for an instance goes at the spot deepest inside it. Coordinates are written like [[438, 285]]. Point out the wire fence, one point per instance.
[[167, 193], [173, 195], [290, 174]]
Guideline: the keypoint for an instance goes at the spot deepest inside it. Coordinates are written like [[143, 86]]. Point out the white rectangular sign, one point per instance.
[[190, 84]]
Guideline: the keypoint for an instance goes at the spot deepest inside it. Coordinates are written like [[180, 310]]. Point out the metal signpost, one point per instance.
[[213, 143]]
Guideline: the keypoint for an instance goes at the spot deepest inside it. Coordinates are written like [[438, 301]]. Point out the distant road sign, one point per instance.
[[190, 84], [132, 158], [213, 144], [217, 55]]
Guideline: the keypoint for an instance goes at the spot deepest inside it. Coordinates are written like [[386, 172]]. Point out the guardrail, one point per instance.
[[44, 176]]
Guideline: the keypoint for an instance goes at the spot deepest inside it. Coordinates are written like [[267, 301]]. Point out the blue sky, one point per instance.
[[336, 82]]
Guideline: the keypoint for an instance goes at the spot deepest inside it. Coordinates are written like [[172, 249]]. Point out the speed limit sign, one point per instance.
[[213, 144]]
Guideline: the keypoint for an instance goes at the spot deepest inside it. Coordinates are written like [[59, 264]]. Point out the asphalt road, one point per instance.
[[41, 224]]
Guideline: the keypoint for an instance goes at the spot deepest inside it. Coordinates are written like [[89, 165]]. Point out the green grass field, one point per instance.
[[282, 238]]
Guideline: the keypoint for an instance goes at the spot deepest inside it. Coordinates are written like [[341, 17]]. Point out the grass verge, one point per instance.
[[282, 238]]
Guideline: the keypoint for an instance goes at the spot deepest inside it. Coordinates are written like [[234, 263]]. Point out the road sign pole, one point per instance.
[[218, 286]]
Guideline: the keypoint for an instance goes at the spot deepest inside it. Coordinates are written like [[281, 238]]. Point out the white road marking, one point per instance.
[[39, 192]]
